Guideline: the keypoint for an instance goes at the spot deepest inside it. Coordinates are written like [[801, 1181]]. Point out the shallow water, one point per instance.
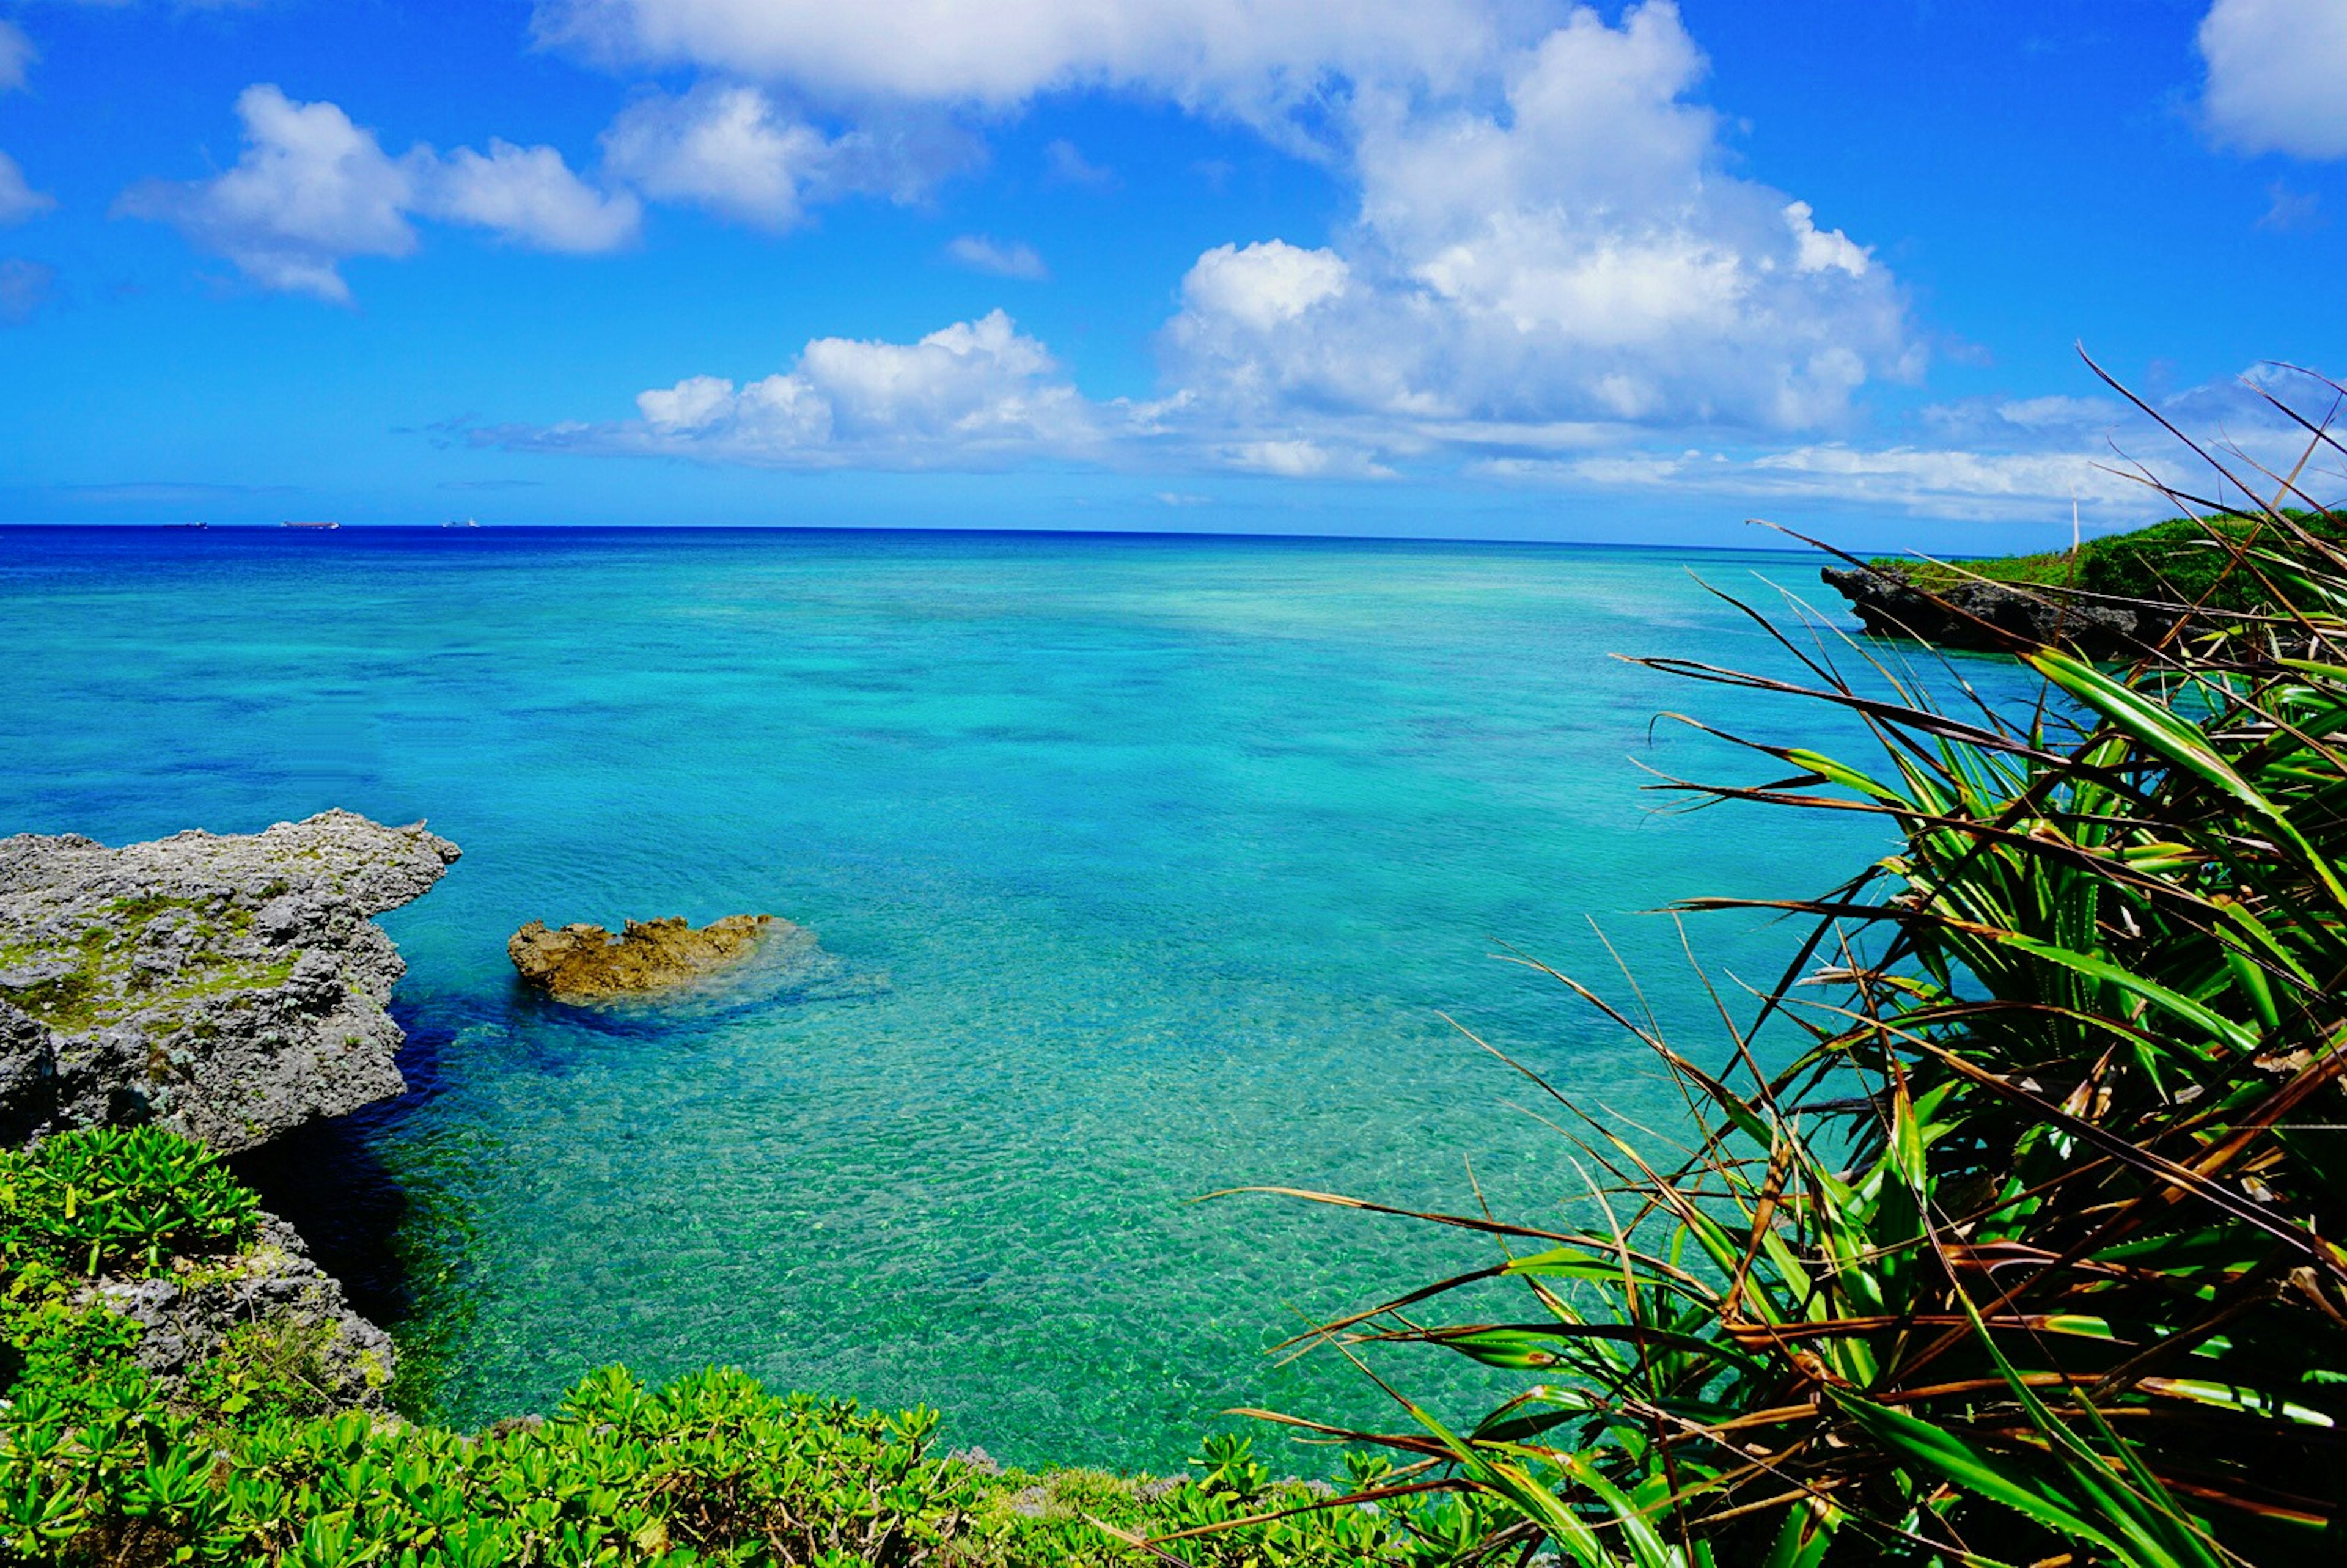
[[1172, 851]]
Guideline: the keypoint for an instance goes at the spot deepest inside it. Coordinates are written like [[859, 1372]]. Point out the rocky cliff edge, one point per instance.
[[229, 988]]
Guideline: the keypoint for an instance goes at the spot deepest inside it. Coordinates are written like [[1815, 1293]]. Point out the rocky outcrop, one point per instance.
[[586, 963], [1993, 617], [229, 988], [268, 1307]]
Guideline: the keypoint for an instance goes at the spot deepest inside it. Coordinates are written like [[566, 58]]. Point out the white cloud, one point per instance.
[[968, 395], [1551, 255], [527, 194], [19, 200], [725, 148], [17, 56], [732, 148], [2274, 73], [1012, 258], [1548, 234], [1287, 459], [1571, 253], [1988, 459], [1976, 486], [1263, 286], [311, 189], [1254, 58]]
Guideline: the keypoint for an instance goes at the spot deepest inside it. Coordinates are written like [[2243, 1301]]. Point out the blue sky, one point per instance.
[[1482, 268]]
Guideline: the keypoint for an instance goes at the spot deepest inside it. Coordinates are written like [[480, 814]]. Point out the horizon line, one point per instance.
[[311, 530]]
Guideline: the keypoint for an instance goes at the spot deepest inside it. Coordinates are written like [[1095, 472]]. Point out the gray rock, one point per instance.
[[1994, 617], [278, 1303], [227, 987]]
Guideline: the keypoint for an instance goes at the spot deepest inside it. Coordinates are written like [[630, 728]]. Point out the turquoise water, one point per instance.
[[1171, 852]]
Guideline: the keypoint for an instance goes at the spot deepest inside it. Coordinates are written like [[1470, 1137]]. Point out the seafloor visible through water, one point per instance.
[[1170, 851]]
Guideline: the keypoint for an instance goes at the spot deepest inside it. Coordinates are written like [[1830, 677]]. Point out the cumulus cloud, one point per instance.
[[1254, 58], [725, 148], [528, 195], [966, 395], [310, 190], [1552, 270], [17, 57], [1262, 287], [2274, 70], [733, 149], [313, 190], [1548, 239], [1011, 259], [19, 200], [1571, 254]]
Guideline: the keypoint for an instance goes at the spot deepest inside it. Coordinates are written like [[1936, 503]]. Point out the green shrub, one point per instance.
[[2187, 561], [2184, 561], [2028, 1257], [245, 1460], [100, 1198]]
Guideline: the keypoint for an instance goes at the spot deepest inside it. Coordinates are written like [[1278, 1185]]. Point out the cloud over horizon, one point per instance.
[[1535, 250], [311, 189], [975, 394], [1551, 252]]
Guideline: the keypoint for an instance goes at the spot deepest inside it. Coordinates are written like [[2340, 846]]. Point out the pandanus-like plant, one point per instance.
[[2033, 1254]]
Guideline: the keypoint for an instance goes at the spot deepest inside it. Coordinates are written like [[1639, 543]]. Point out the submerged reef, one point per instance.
[[227, 988], [586, 963]]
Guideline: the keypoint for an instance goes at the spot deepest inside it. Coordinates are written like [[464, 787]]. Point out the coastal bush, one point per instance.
[[246, 1459], [2210, 561], [2026, 1257], [96, 1199]]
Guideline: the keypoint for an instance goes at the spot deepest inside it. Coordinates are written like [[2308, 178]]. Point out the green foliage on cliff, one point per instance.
[[246, 1462], [97, 1199], [2184, 561]]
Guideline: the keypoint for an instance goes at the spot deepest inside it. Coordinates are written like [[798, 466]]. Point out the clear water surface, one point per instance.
[[1171, 852]]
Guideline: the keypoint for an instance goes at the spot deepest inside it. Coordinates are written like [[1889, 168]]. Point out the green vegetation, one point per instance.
[[2024, 1258], [97, 1200], [246, 1459], [2184, 561]]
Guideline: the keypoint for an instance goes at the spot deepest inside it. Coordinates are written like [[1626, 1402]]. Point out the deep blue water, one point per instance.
[[1171, 852]]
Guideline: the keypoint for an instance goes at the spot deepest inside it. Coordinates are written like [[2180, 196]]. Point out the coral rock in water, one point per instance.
[[586, 963], [229, 988]]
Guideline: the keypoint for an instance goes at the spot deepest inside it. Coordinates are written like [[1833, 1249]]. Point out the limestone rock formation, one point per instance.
[[227, 987], [275, 1302], [1888, 605], [586, 963]]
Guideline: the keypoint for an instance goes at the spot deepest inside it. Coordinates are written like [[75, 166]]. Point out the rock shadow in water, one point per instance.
[[325, 1179]]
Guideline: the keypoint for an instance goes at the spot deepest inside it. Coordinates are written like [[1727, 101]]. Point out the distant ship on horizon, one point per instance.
[[289, 524], [462, 523]]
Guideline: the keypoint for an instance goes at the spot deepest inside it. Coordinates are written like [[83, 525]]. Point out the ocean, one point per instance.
[[1153, 866]]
